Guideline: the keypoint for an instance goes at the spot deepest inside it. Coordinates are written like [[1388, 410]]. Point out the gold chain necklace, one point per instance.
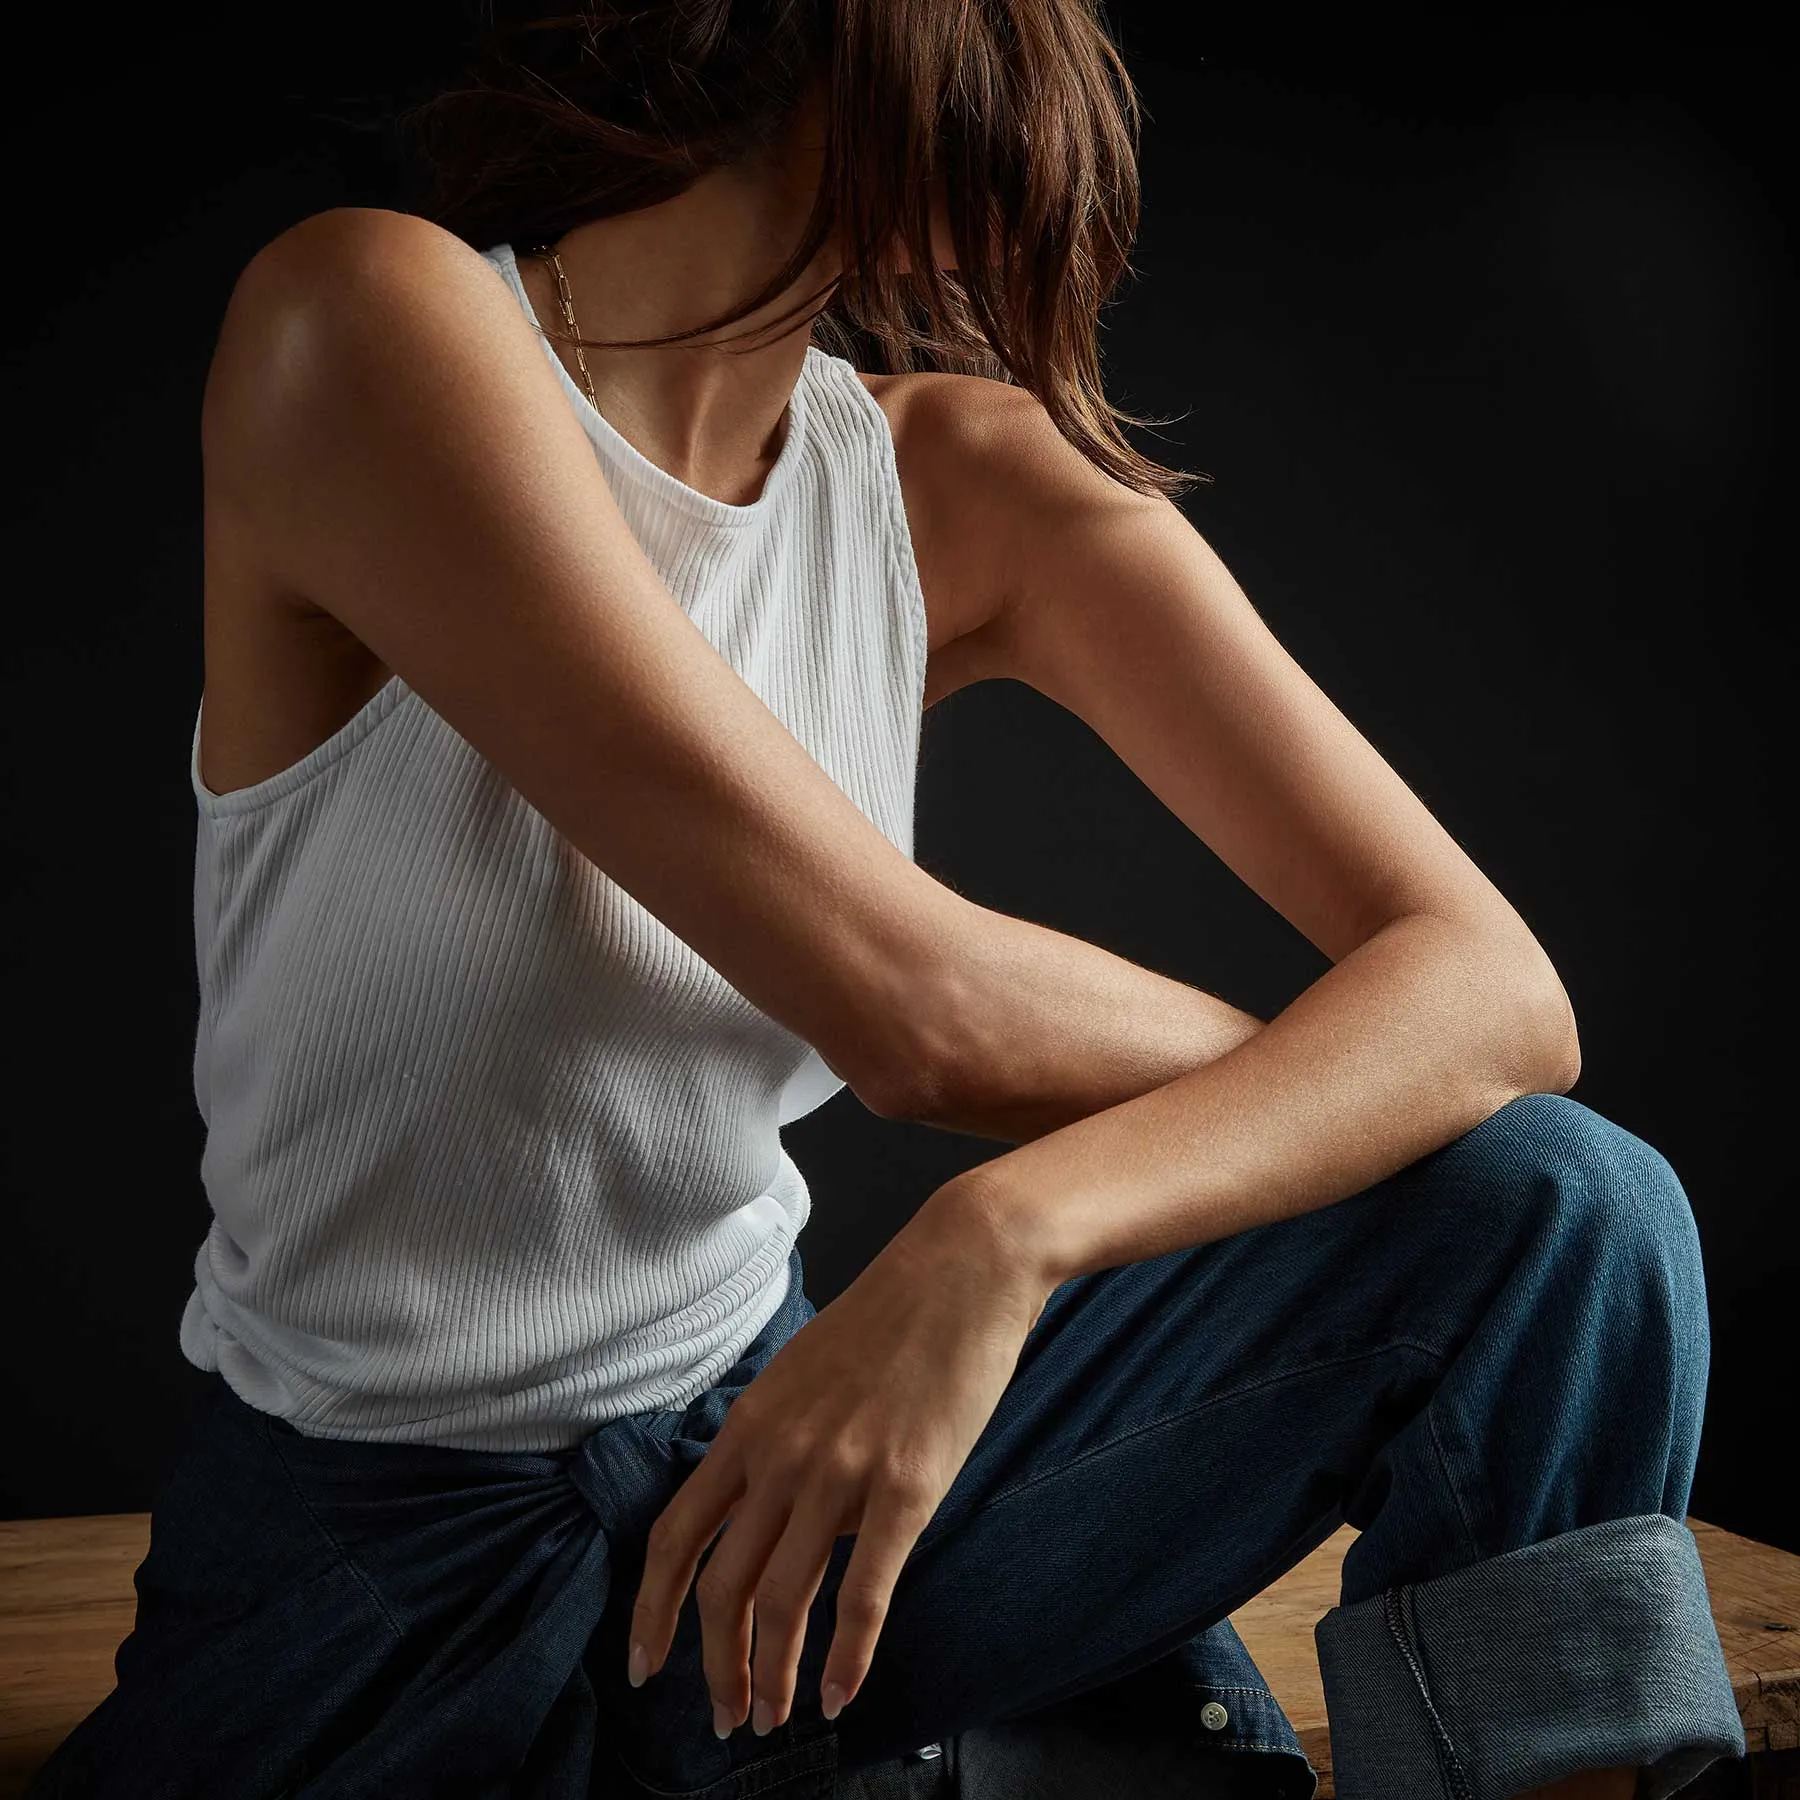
[[566, 301]]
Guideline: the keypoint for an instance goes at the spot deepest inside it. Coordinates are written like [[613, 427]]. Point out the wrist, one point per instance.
[[967, 1218]]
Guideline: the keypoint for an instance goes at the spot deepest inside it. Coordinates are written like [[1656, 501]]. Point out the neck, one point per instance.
[[708, 412]]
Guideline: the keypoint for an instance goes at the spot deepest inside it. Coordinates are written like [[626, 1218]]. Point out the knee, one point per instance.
[[1599, 1201], [1601, 1302]]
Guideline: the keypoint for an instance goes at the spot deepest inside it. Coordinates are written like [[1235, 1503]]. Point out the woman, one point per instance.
[[569, 616]]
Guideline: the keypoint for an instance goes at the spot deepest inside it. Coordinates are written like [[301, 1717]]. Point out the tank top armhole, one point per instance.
[[296, 775], [900, 545]]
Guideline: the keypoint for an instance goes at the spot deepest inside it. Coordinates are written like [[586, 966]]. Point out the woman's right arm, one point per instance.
[[382, 422]]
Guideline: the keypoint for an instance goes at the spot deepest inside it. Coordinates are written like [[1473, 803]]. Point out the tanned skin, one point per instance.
[[395, 481]]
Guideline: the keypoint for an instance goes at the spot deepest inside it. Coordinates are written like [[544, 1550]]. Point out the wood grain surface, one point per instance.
[[66, 1601]]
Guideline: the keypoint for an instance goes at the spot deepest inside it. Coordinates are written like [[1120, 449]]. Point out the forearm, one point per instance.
[[1404, 1044], [1045, 1029]]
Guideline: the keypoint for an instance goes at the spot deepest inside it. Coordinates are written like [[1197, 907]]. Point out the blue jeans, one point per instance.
[[1492, 1364]]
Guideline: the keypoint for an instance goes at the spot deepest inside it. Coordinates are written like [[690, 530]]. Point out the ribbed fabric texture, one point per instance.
[[493, 1155]]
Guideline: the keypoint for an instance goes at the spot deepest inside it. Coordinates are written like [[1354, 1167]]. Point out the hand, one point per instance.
[[859, 1423]]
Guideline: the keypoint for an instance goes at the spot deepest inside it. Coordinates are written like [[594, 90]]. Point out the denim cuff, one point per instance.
[[1594, 1649], [1249, 1722]]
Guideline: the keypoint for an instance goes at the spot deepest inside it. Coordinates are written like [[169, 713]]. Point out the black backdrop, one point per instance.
[[1477, 334]]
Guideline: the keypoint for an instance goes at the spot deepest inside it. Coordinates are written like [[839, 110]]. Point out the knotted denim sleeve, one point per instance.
[[444, 1623]]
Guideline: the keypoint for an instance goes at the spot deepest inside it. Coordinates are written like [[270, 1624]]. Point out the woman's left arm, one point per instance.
[[1440, 1006]]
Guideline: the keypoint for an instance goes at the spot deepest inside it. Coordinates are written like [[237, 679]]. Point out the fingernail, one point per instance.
[[762, 1718], [723, 1723], [833, 1699], [639, 1666]]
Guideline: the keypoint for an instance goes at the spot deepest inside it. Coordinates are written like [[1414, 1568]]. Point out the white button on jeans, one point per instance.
[[1214, 1717]]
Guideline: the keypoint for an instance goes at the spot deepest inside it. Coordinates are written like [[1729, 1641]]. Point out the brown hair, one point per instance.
[[1023, 107]]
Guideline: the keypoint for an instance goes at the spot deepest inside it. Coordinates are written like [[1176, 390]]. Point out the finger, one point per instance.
[[725, 1595], [673, 1548], [784, 1597], [897, 1512]]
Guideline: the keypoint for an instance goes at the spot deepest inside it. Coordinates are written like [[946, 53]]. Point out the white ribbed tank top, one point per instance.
[[493, 1155]]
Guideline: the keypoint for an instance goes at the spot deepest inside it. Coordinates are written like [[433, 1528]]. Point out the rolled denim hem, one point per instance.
[[1594, 1649]]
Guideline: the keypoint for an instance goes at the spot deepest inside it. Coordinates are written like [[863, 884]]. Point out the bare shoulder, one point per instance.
[[987, 478], [968, 425], [949, 427], [348, 255], [333, 298], [363, 355], [948, 400]]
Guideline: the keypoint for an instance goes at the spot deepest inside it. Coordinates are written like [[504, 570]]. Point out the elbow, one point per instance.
[[919, 1036], [1569, 1069], [906, 1071], [888, 1100], [1553, 1064], [1524, 1038], [915, 1088]]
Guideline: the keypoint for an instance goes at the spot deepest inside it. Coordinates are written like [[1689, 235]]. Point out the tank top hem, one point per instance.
[[533, 1431]]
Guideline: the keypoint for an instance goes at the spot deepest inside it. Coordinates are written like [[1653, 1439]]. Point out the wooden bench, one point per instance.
[[66, 1600], [1755, 1592]]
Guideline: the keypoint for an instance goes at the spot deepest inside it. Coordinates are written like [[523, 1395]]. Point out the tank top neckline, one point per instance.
[[626, 456]]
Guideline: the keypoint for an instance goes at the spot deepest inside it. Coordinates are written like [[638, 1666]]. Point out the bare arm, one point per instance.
[[383, 424], [1440, 1006], [1056, 1029]]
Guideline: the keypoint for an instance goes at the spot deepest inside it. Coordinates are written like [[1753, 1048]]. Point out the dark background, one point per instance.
[[1478, 336]]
